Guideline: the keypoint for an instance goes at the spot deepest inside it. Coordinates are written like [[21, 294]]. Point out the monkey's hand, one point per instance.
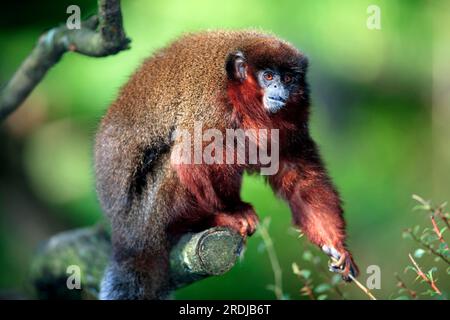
[[243, 221], [342, 262]]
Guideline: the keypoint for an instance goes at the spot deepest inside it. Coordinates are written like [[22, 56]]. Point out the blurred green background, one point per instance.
[[377, 116]]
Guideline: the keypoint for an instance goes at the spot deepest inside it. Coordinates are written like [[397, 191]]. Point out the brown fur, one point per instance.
[[150, 200]]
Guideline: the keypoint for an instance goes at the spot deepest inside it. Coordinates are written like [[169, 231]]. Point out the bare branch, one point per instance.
[[420, 273], [428, 247], [99, 36], [196, 256], [438, 232]]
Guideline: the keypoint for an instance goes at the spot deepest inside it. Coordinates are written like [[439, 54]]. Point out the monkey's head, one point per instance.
[[267, 73]]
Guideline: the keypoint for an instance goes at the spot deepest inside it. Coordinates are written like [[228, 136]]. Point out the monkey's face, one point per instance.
[[274, 82], [277, 86]]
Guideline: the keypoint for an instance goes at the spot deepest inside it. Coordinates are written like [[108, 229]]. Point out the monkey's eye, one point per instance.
[[268, 76], [287, 78]]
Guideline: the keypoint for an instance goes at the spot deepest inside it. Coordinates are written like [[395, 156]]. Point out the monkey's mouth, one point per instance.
[[278, 99], [274, 104]]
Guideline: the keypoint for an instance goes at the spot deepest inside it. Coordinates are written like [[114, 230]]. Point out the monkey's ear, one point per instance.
[[236, 66], [304, 63]]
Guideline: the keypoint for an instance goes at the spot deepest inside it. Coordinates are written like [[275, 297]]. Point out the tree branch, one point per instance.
[[194, 257], [99, 36], [424, 277]]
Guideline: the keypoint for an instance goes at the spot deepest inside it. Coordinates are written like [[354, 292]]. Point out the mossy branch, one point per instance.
[[196, 256], [99, 36]]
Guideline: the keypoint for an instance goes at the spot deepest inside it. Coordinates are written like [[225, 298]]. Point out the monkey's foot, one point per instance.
[[342, 262], [244, 222]]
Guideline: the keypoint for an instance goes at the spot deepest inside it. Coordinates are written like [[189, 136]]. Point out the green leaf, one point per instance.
[[295, 268], [418, 207], [402, 298], [305, 273], [416, 229], [307, 255], [270, 287], [322, 297], [335, 279], [410, 268], [261, 247], [425, 204], [426, 237], [430, 273], [419, 253], [433, 237], [442, 248], [406, 235], [321, 288], [429, 292], [316, 260], [443, 205]]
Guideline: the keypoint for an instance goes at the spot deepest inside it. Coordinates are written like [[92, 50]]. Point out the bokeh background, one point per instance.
[[380, 115]]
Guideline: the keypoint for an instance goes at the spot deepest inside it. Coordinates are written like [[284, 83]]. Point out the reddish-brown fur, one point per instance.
[[151, 200]]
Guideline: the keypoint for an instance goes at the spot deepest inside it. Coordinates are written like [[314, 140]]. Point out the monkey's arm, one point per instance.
[[315, 204]]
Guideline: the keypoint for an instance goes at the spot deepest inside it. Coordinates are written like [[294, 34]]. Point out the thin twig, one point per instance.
[[443, 217], [277, 272], [439, 211], [306, 290], [325, 274], [424, 276], [338, 291], [362, 287], [437, 231], [359, 284], [428, 247], [401, 284]]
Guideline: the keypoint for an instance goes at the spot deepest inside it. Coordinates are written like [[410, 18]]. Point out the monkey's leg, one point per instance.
[[316, 209], [139, 266], [243, 220], [121, 282], [136, 276], [125, 282], [216, 189]]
